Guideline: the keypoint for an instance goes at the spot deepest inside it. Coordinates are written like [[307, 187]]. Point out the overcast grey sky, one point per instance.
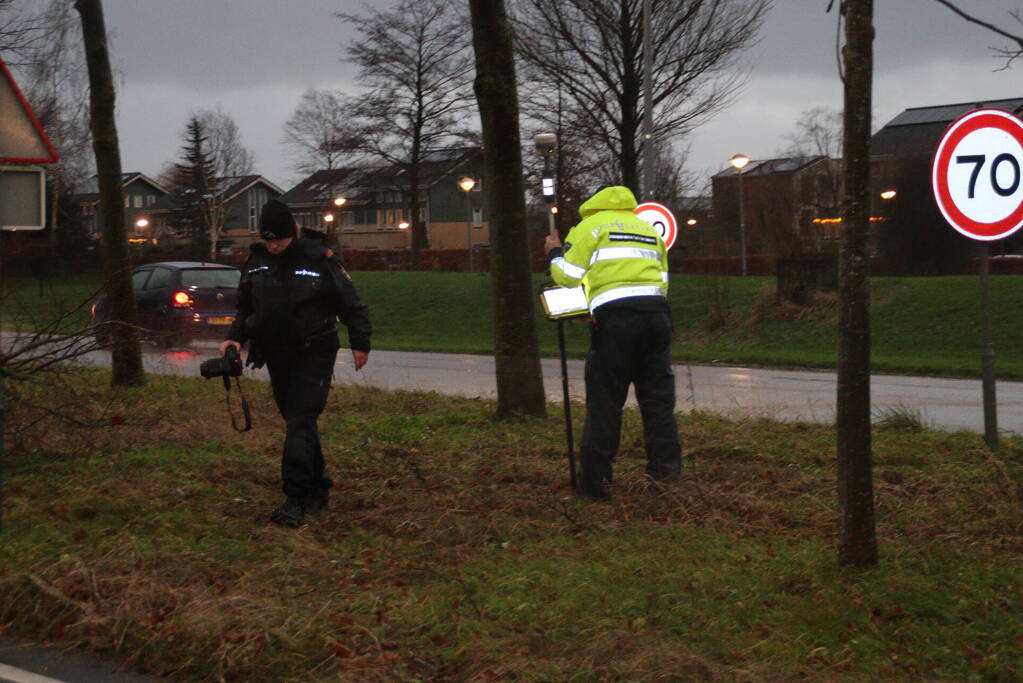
[[254, 58]]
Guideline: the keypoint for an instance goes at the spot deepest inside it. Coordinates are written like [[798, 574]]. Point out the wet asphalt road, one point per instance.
[[791, 395]]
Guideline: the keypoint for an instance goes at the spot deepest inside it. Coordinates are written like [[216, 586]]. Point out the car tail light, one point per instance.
[[181, 299], [92, 310]]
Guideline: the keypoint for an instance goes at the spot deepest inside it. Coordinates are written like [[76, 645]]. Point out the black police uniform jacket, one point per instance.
[[293, 299]]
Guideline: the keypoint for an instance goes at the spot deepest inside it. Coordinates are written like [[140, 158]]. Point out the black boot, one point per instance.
[[315, 502], [290, 514]]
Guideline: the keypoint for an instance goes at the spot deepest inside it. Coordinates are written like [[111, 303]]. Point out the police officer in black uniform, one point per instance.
[[292, 292]]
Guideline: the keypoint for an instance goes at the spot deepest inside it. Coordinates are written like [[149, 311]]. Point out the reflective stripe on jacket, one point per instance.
[[611, 252]]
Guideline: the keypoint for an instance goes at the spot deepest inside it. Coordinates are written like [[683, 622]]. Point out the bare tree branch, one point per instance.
[[321, 132], [416, 70], [592, 52], [1009, 54]]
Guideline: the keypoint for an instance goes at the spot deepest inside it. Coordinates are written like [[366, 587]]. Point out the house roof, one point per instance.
[[90, 188], [771, 166], [229, 188], [357, 183], [322, 185], [235, 185], [916, 131]]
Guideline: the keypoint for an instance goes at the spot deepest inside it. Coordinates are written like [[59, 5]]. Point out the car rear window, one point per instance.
[[210, 277]]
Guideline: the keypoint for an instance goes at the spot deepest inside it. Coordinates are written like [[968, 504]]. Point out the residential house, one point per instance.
[[141, 193], [369, 207], [239, 198]]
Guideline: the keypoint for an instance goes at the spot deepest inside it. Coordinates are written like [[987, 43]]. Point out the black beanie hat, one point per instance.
[[276, 221]]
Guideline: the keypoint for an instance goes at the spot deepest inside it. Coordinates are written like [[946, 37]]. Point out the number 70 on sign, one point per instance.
[[976, 174]]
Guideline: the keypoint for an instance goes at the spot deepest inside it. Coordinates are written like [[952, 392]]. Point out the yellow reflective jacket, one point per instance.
[[613, 253]]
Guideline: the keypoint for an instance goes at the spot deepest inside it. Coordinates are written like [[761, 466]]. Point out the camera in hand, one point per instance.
[[228, 365]]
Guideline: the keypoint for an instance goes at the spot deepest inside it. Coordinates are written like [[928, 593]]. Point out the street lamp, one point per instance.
[[466, 184], [691, 222], [888, 194], [739, 162], [141, 223], [339, 201], [328, 218]]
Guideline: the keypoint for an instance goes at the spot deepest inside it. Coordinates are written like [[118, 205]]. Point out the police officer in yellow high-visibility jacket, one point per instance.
[[622, 264]]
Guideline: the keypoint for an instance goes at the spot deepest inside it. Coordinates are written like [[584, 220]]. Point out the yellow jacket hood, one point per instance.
[[617, 198]]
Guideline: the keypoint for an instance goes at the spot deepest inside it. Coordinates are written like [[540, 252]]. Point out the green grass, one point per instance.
[[452, 550], [918, 325]]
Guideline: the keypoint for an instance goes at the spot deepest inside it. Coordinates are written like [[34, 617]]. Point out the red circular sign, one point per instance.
[[661, 218], [977, 174]]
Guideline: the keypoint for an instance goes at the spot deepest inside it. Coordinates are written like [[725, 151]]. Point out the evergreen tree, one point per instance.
[[198, 216]]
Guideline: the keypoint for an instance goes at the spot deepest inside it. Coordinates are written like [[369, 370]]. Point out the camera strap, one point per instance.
[[246, 415]]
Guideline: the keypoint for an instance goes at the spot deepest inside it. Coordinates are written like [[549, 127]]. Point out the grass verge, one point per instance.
[[452, 550]]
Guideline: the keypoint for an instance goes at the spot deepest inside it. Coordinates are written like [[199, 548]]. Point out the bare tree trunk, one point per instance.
[[516, 352], [858, 542], [126, 356]]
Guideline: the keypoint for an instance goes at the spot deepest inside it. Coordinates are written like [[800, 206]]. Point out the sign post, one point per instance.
[[977, 181]]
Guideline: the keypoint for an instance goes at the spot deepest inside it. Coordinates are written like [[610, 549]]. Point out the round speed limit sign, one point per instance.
[[661, 218], [977, 174]]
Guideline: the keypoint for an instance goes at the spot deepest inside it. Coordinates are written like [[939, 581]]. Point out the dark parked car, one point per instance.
[[179, 300]]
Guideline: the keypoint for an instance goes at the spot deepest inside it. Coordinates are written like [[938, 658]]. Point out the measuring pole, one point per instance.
[[987, 354]]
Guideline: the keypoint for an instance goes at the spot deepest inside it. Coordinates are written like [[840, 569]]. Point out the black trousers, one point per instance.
[[629, 347], [300, 378]]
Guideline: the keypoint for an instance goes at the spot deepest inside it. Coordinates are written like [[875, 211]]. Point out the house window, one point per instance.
[[380, 217], [127, 203], [137, 201], [150, 199], [390, 217], [347, 218], [257, 198]]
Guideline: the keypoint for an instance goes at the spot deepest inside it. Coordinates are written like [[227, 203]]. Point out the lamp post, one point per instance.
[[739, 162], [467, 184]]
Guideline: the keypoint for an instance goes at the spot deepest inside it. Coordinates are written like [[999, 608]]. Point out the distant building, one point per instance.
[[240, 197], [787, 205], [370, 207], [141, 193], [916, 131], [912, 237]]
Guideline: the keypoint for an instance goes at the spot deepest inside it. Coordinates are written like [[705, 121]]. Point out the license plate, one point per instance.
[[221, 320]]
